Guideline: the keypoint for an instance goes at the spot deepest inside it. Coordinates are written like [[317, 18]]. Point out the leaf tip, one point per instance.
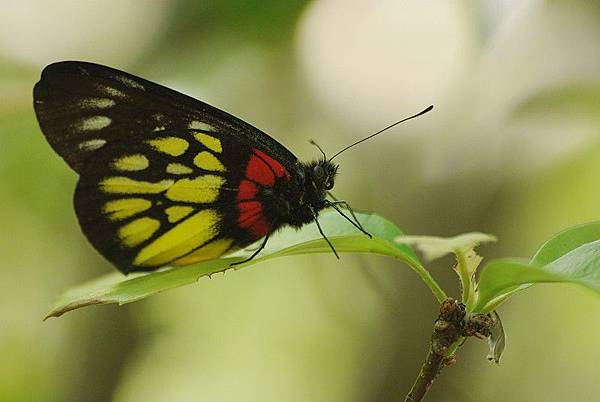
[[59, 311]]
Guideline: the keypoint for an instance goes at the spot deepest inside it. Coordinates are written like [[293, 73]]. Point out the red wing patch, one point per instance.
[[261, 170], [258, 171], [260, 227], [252, 218], [249, 212], [247, 190], [273, 164]]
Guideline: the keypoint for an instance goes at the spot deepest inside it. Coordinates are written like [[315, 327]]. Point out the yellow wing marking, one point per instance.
[[125, 185], [202, 189], [137, 231], [199, 125], [131, 163], [173, 146], [125, 207], [212, 250], [207, 161], [210, 142], [178, 168], [180, 240], [177, 213]]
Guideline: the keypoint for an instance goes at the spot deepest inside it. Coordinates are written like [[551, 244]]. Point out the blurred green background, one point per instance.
[[511, 149]]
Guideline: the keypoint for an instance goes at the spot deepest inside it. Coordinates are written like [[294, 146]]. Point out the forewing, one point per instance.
[[84, 107]]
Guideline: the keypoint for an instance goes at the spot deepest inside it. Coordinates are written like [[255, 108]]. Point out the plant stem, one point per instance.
[[450, 330], [435, 288], [431, 368], [446, 338], [437, 291]]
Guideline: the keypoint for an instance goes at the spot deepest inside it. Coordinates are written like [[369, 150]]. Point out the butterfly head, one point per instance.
[[321, 177], [322, 172]]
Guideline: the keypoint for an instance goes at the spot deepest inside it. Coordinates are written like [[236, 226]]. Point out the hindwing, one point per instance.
[[168, 198]]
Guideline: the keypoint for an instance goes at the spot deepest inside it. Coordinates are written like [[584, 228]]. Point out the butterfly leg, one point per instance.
[[314, 214], [255, 253], [354, 222], [349, 208], [337, 201], [333, 197]]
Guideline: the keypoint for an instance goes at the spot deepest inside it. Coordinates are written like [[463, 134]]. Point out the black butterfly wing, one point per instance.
[[81, 107], [164, 178]]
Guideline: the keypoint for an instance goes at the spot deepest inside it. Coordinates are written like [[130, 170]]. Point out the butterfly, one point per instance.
[[168, 180]]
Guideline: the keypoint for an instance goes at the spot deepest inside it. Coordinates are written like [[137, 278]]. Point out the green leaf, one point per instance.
[[119, 289], [580, 266], [571, 256], [565, 241], [435, 247]]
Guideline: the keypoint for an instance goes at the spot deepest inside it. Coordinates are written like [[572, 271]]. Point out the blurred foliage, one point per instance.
[[573, 99], [264, 21], [512, 149]]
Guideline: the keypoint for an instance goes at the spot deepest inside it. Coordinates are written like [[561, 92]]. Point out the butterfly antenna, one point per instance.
[[382, 130], [319, 148]]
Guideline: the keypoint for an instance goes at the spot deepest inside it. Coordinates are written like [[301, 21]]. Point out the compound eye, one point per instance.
[[318, 172], [328, 184]]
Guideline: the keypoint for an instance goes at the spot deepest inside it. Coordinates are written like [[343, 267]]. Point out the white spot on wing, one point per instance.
[[110, 91], [199, 125], [96, 103], [94, 123], [160, 120], [131, 83], [92, 145]]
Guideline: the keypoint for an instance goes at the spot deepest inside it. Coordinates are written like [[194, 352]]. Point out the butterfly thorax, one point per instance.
[[297, 203]]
